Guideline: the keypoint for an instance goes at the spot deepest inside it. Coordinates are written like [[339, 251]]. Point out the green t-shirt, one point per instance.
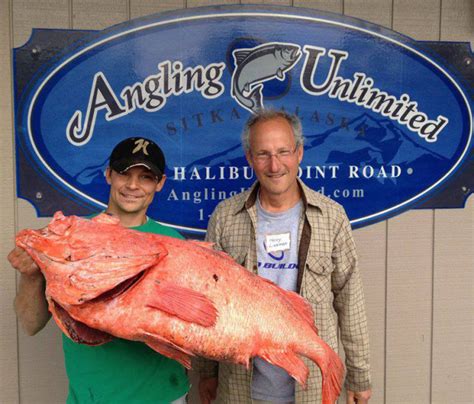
[[123, 371]]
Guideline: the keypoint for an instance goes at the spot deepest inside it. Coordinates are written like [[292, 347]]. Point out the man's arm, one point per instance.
[[349, 304], [30, 302]]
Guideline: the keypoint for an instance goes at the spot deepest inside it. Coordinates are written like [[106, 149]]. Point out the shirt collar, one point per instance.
[[309, 198]]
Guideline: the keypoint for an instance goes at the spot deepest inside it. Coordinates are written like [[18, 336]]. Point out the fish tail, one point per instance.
[[256, 98], [332, 370], [301, 308], [289, 361], [332, 381]]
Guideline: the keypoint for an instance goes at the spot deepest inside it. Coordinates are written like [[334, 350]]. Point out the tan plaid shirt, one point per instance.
[[328, 278]]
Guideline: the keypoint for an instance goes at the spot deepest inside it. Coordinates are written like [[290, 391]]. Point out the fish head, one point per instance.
[[60, 240], [289, 53], [89, 262], [84, 259]]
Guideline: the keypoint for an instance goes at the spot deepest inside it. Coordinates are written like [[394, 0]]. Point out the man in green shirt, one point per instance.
[[120, 371]]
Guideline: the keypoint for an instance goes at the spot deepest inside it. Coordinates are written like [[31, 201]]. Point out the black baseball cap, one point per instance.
[[138, 151]]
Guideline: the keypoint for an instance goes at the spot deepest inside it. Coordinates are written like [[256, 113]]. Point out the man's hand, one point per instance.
[[30, 303], [207, 389], [22, 262], [358, 397]]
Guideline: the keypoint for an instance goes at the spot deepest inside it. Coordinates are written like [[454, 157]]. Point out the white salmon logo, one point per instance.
[[257, 65]]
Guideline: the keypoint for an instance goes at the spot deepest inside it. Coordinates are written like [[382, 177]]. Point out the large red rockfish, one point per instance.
[[179, 297]]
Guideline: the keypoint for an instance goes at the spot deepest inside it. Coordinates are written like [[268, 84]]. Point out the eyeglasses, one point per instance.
[[281, 155]]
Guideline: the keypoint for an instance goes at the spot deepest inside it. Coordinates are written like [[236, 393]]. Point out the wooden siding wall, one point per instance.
[[417, 267]]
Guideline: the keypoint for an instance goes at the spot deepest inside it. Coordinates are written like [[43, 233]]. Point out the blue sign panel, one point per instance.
[[387, 124]]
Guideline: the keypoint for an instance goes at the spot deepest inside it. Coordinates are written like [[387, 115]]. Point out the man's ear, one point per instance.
[[300, 153], [108, 171], [160, 184], [248, 156]]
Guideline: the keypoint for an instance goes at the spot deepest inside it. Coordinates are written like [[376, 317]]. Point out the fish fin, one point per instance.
[[280, 74], [168, 349], [204, 244], [298, 303], [170, 352], [332, 368], [210, 246], [301, 306], [60, 223], [184, 303], [256, 97], [240, 55], [332, 381], [289, 361], [106, 218], [101, 274], [58, 215], [244, 360]]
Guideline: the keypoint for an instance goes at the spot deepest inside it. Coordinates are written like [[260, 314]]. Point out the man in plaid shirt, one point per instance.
[[302, 241]]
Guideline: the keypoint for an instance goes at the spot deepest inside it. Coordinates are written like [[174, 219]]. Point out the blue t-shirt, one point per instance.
[[277, 256]]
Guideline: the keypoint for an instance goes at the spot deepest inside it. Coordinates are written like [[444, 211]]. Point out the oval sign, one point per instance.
[[385, 124]]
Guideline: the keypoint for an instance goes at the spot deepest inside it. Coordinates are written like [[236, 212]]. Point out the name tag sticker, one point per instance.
[[277, 242]]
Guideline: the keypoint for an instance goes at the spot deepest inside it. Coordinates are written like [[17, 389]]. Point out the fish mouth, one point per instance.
[[290, 54], [78, 331]]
